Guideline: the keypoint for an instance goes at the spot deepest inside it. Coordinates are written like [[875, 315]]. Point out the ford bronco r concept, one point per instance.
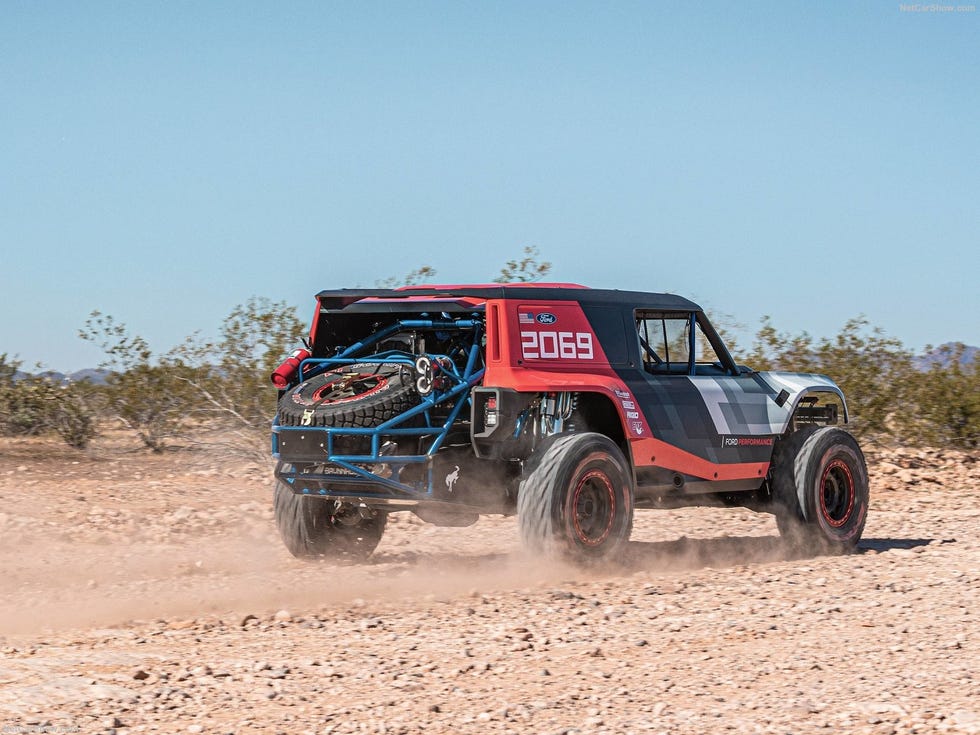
[[566, 406]]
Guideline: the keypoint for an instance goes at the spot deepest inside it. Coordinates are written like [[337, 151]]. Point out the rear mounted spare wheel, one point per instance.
[[577, 500], [820, 489], [361, 395]]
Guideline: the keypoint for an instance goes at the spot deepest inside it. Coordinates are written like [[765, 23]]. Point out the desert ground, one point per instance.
[[150, 593]]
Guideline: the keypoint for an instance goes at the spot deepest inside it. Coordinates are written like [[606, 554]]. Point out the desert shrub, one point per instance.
[[775, 350], [20, 411], [415, 277], [230, 381], [71, 416], [946, 399], [148, 395], [224, 382], [875, 371], [35, 404], [526, 269], [162, 397], [234, 381]]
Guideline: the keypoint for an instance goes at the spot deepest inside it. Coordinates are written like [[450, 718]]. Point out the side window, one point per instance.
[[704, 353], [665, 340]]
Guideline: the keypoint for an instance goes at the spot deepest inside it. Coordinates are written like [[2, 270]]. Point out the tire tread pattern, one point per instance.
[[793, 460], [539, 502], [308, 531], [360, 412]]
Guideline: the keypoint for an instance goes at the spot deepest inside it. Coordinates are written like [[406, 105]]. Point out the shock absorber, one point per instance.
[[554, 410]]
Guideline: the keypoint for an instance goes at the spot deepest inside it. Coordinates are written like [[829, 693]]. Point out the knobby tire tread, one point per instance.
[[792, 464]]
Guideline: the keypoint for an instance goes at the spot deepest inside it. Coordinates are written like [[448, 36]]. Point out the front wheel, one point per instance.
[[820, 489], [577, 500]]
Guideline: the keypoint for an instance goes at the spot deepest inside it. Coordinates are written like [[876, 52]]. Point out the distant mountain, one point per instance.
[[945, 354], [96, 376]]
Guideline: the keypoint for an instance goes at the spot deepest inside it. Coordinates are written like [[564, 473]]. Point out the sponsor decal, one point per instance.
[[632, 414], [747, 441], [546, 317], [637, 427], [525, 318], [629, 405], [557, 346], [332, 469], [621, 393]]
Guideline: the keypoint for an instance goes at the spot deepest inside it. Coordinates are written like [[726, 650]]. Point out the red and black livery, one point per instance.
[[566, 405]]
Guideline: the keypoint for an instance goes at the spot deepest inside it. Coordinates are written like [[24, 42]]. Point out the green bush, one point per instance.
[[201, 383], [223, 383], [149, 396], [230, 381], [947, 400], [34, 404], [887, 396]]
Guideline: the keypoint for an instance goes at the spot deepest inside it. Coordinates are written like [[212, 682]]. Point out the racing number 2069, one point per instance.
[[556, 346]]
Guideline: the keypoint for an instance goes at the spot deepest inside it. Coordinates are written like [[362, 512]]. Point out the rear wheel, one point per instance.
[[820, 489], [310, 528], [577, 500]]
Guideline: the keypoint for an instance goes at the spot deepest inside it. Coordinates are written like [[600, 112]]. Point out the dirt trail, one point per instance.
[[150, 594]]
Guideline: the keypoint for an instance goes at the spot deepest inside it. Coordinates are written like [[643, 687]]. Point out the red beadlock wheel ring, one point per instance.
[[837, 493], [593, 504]]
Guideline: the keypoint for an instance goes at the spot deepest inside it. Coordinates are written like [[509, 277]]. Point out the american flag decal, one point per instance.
[[525, 318]]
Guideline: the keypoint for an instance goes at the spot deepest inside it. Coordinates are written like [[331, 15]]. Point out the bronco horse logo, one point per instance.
[[451, 478]]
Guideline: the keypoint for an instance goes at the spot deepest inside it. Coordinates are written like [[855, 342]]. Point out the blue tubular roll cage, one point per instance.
[[455, 391]]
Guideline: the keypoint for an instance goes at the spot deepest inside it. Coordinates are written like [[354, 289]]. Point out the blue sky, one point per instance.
[[163, 162]]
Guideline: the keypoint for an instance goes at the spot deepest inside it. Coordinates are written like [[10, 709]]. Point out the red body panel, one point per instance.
[[562, 353], [650, 452], [313, 324], [541, 346], [457, 286]]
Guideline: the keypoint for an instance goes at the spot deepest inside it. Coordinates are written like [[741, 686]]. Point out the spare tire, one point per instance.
[[359, 395]]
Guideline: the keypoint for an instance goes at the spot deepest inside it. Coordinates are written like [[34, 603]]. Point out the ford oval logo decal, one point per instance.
[[546, 318]]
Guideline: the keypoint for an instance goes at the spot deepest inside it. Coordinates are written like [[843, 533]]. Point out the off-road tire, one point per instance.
[[379, 392], [310, 531], [820, 489], [577, 498]]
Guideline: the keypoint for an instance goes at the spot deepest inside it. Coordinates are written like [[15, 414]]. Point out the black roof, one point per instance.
[[341, 298]]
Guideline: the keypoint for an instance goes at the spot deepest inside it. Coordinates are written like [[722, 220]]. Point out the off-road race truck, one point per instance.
[[567, 406]]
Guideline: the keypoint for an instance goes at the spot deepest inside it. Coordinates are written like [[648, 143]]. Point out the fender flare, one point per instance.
[[821, 389], [797, 386]]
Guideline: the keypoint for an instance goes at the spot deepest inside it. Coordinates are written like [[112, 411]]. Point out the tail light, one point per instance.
[[490, 412]]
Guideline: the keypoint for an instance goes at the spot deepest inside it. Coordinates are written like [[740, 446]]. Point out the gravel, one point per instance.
[[167, 604]]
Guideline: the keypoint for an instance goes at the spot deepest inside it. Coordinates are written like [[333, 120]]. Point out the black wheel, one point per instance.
[[310, 528], [360, 395], [577, 499], [820, 489]]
